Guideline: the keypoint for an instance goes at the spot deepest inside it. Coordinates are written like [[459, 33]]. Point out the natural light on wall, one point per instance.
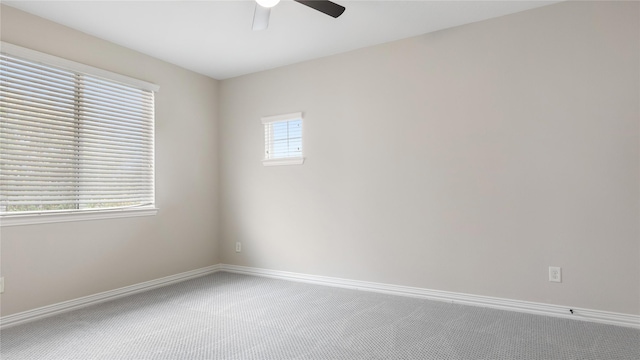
[[283, 139]]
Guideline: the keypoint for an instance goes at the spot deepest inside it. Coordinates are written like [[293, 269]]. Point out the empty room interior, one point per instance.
[[320, 180]]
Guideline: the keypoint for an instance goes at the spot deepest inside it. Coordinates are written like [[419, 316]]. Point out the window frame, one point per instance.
[[268, 121], [55, 216]]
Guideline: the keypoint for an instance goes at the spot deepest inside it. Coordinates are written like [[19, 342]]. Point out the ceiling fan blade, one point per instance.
[[325, 6], [261, 18]]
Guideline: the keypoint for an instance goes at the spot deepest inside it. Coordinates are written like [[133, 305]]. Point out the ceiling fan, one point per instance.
[[263, 10]]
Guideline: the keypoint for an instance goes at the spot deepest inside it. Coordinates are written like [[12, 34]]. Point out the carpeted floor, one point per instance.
[[230, 316]]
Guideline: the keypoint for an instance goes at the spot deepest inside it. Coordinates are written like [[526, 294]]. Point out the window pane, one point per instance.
[[280, 131], [295, 147], [72, 141], [295, 129]]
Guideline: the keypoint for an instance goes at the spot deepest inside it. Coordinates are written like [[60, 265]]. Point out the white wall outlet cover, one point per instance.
[[238, 247], [555, 274], [1, 285]]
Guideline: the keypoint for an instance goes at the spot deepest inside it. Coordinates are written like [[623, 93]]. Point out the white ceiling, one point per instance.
[[214, 38]]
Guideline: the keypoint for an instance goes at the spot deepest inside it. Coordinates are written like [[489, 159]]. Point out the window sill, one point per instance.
[[46, 218], [284, 161]]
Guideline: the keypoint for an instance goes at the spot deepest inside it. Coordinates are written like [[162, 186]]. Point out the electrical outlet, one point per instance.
[[1, 285], [238, 247], [555, 274]]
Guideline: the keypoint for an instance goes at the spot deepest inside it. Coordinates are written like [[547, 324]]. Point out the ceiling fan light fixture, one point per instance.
[[268, 3], [263, 10]]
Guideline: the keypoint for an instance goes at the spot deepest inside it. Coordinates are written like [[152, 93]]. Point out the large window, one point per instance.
[[72, 141], [283, 139]]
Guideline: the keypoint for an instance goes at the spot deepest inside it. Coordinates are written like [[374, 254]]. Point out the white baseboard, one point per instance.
[[65, 306], [597, 316]]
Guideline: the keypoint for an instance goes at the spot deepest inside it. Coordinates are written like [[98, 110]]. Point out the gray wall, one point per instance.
[[467, 160], [46, 264]]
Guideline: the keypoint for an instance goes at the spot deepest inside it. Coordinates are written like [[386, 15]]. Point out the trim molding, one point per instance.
[[283, 117], [50, 310], [283, 161], [41, 57], [596, 316], [56, 217]]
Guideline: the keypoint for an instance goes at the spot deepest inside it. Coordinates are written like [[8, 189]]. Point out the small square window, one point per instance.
[[283, 139]]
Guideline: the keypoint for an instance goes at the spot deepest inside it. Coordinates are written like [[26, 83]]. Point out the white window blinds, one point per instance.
[[283, 139], [71, 141]]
